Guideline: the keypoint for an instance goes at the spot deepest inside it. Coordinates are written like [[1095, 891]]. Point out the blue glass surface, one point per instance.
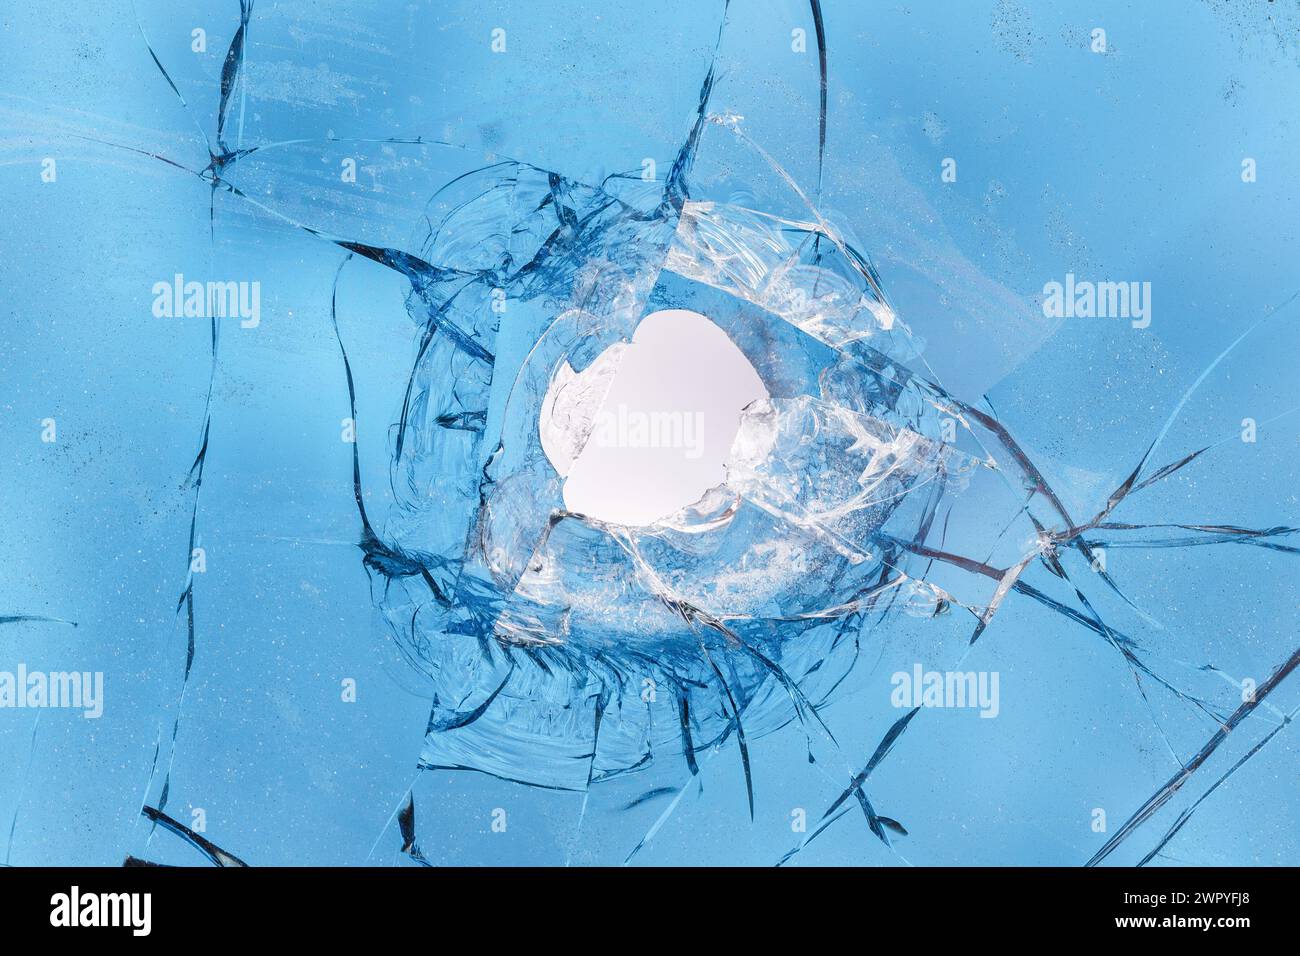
[[1004, 568]]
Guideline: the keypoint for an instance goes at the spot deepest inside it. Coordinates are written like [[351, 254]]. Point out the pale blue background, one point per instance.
[[1118, 166]]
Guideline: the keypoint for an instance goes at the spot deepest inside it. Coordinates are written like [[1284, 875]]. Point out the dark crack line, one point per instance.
[[1176, 782]]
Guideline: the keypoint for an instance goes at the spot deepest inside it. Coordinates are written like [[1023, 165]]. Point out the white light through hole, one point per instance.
[[660, 436]]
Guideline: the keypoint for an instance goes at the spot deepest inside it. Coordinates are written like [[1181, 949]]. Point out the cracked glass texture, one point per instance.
[[322, 559]]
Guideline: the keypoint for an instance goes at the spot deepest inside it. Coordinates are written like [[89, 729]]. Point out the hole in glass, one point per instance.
[[662, 412]]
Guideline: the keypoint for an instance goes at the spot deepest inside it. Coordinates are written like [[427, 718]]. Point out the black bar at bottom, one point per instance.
[[216, 906]]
